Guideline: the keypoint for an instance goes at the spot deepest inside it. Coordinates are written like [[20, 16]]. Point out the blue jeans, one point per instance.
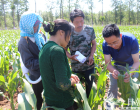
[[89, 80]]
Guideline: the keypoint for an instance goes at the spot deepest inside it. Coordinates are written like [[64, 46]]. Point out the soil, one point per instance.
[[5, 103]]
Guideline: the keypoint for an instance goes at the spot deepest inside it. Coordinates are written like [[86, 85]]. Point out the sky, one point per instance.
[[41, 5]]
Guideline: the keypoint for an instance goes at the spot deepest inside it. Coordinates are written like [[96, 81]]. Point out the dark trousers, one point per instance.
[[38, 88], [69, 108], [88, 80]]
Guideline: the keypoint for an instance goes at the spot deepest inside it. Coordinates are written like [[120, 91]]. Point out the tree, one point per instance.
[[102, 9], [90, 3], [21, 6], [99, 15], [4, 8], [138, 11], [13, 13], [60, 2], [61, 8], [69, 7], [115, 5], [1, 16], [130, 4], [77, 4], [120, 12]]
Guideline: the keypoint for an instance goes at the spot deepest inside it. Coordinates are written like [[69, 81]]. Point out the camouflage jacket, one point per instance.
[[81, 41]]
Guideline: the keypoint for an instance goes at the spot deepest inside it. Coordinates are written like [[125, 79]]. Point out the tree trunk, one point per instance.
[[137, 12], [115, 16], [13, 18], [69, 9], [102, 12], [62, 8], [108, 17], [99, 18], [129, 12], [4, 14], [91, 17], [0, 23], [18, 18], [120, 11]]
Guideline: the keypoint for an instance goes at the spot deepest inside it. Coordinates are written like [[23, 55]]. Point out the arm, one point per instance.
[[136, 63], [110, 68], [135, 66], [93, 48], [135, 57], [67, 53], [73, 57], [63, 82], [28, 59]]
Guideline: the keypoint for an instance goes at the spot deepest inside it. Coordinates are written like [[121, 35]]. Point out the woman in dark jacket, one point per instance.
[[29, 46]]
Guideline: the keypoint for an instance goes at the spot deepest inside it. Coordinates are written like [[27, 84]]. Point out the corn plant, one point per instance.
[[10, 86], [96, 96], [127, 90], [27, 99]]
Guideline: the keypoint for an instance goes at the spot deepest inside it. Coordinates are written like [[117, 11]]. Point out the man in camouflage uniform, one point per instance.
[[81, 39]]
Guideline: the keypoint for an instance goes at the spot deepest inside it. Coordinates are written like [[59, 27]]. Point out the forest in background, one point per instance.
[[124, 12]]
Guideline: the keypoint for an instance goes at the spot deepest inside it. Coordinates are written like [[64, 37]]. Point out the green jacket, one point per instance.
[[55, 73]]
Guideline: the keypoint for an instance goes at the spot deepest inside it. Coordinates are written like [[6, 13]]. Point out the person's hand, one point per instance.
[[115, 74], [131, 74], [73, 57], [73, 82], [126, 78], [75, 77], [90, 60]]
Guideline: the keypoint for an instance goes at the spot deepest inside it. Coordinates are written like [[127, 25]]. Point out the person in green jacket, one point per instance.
[[56, 75]]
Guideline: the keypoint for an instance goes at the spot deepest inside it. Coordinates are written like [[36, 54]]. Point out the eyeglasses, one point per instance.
[[114, 43]]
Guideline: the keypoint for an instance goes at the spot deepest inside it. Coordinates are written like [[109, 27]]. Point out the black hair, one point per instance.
[[59, 24], [111, 29], [76, 13]]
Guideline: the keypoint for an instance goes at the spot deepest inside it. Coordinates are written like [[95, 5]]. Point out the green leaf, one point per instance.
[[83, 95], [14, 75], [2, 65], [78, 99], [23, 103], [134, 89], [15, 66], [12, 79], [102, 78], [29, 94], [124, 88], [2, 79], [138, 96], [92, 94]]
